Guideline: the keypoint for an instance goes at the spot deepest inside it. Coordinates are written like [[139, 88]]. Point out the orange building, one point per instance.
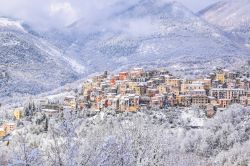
[[8, 127], [123, 75], [112, 81], [224, 103]]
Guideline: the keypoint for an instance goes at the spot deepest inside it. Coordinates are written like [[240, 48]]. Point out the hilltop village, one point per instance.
[[138, 89]]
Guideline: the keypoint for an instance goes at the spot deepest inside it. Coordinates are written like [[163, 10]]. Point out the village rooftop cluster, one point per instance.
[[138, 89]]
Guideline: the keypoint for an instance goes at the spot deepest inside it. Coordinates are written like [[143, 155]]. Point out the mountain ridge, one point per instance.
[[147, 34], [143, 37], [30, 65], [231, 16]]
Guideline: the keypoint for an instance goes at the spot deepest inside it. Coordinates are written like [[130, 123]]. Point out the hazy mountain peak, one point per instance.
[[143, 13], [156, 8], [149, 32], [11, 24], [232, 16], [228, 13]]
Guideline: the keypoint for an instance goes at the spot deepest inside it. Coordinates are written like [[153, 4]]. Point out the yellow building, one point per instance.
[[70, 101], [87, 87], [132, 85], [175, 85], [137, 90], [2, 132], [163, 89], [133, 108], [220, 77], [72, 104], [18, 113], [174, 82]]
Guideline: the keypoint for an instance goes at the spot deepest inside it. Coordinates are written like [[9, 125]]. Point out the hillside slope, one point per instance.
[[28, 64]]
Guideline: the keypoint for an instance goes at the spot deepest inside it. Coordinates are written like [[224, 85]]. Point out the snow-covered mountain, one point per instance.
[[150, 33], [29, 64], [232, 15]]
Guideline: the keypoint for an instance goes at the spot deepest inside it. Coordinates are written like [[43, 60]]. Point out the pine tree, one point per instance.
[[26, 111], [46, 126]]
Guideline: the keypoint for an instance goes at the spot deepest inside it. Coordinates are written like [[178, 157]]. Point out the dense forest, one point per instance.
[[149, 137]]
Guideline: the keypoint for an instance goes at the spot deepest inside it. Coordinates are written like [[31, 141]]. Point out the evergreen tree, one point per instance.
[[26, 111], [33, 108], [46, 126]]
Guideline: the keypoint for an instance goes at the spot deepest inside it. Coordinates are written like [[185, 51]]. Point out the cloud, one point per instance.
[[133, 26], [47, 14], [64, 8], [64, 12]]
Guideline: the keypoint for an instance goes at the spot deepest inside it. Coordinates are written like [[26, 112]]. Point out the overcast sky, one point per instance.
[[52, 13]]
